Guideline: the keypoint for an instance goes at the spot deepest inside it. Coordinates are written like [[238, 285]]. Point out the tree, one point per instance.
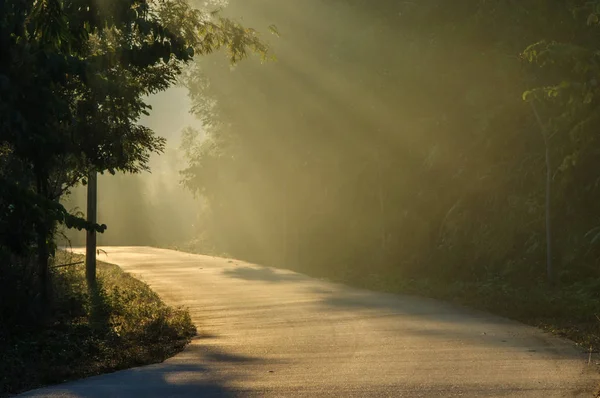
[[73, 77], [461, 177], [566, 90]]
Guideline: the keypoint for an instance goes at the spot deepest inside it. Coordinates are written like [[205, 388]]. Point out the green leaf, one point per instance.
[[273, 29]]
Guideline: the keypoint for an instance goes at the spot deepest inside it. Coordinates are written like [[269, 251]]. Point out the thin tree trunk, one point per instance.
[[43, 252], [43, 258], [90, 248], [285, 225], [550, 274], [382, 209], [549, 264]]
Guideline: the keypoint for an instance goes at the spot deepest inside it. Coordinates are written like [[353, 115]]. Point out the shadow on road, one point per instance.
[[401, 315], [265, 274], [201, 370], [211, 355], [442, 321], [181, 380]]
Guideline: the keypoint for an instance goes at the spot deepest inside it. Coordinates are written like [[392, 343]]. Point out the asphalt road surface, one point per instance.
[[267, 332]]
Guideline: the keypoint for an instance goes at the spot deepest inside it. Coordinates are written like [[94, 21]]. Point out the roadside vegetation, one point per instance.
[[75, 78], [119, 325]]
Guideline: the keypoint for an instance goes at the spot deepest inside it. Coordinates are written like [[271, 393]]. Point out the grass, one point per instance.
[[121, 324], [198, 245]]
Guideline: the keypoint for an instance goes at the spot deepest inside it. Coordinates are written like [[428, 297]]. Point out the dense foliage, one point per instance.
[[74, 81], [398, 140]]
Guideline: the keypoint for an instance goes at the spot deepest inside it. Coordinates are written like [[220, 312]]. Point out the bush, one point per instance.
[[121, 324]]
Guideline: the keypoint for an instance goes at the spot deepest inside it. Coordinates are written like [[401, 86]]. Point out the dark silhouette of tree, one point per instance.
[[73, 81]]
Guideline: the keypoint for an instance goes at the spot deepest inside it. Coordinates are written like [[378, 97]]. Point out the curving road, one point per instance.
[[273, 333]]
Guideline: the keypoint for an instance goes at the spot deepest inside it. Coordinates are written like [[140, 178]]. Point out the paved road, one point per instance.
[[274, 333]]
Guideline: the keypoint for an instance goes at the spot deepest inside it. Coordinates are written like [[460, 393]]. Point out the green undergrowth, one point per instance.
[[197, 246], [119, 325]]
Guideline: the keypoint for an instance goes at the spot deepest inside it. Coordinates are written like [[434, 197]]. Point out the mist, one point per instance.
[[147, 208], [322, 153], [383, 140]]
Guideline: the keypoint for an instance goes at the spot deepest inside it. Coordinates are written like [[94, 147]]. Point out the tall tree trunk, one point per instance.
[[549, 263], [382, 208], [90, 244], [43, 257], [43, 232], [284, 225], [550, 274]]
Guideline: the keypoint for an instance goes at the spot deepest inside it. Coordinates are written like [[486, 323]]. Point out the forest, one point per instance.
[[414, 142], [443, 148]]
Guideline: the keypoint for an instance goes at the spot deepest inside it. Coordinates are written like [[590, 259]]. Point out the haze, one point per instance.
[[435, 148]]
